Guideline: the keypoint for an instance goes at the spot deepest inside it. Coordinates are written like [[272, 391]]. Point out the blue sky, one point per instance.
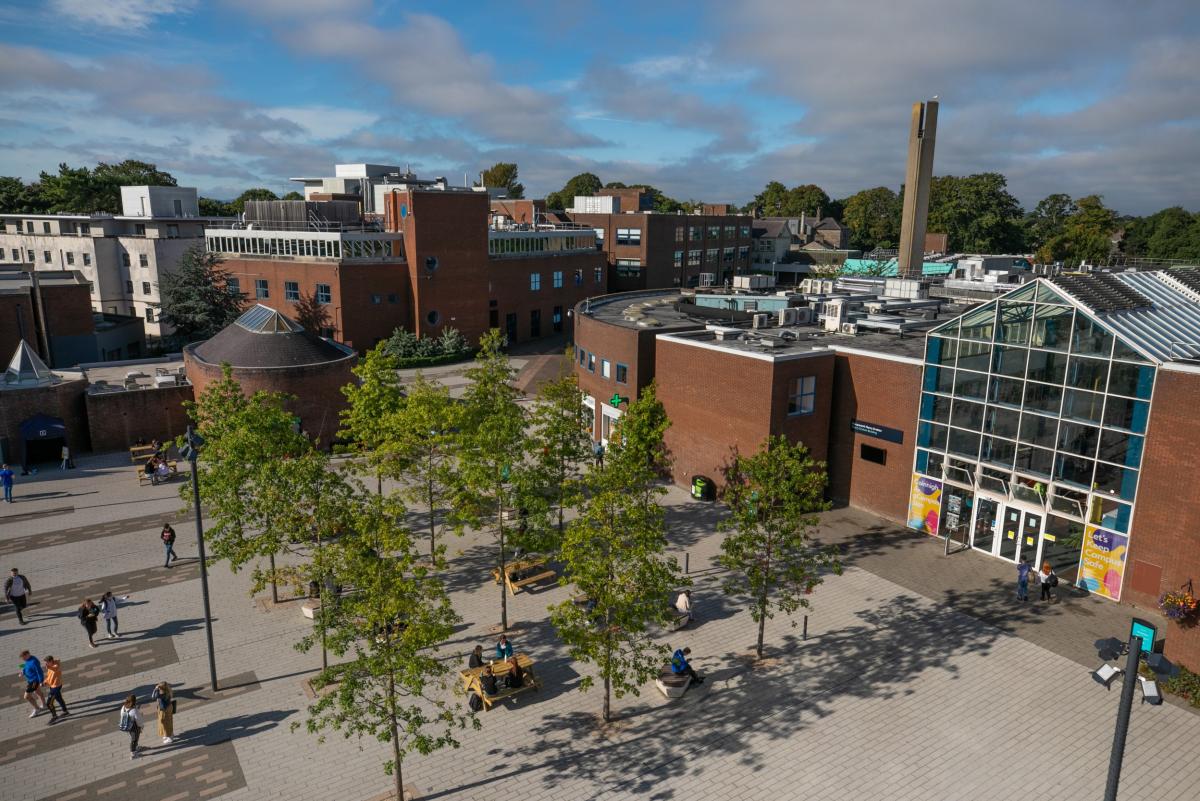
[[704, 100]]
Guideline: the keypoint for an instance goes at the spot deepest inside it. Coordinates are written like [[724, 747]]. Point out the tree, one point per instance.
[[214, 208], [371, 402], [776, 200], [1086, 235], [492, 462], [238, 206], [772, 497], [614, 552], [421, 442], [16, 197], [561, 442], [392, 687], [585, 183], [83, 191], [312, 314], [503, 175], [1172, 233], [977, 212], [196, 297], [873, 216], [1046, 223], [293, 195]]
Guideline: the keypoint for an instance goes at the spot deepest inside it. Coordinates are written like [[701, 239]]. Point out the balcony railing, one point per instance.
[[279, 244]]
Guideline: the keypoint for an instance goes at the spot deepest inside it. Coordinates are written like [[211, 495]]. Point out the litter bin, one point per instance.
[[703, 488]]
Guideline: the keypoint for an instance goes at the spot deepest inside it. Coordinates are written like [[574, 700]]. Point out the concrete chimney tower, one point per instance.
[[916, 188]]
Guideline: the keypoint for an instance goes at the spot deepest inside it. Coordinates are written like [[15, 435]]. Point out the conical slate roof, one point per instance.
[[26, 368], [262, 337]]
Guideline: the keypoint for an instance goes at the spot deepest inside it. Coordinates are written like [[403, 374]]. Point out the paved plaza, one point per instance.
[[919, 679]]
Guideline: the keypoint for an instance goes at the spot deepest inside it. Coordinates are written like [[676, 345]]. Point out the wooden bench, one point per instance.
[[172, 472], [529, 573], [141, 453], [672, 684], [472, 684]]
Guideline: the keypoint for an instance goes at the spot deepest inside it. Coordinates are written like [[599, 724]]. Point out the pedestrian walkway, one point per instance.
[[207, 772], [114, 661]]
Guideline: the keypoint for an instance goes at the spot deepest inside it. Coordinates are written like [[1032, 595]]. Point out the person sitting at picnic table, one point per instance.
[[504, 649], [515, 676], [476, 658], [154, 443], [680, 666], [683, 605], [162, 471], [487, 681]]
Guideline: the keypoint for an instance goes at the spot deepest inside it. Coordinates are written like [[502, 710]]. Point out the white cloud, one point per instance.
[[323, 122], [135, 15]]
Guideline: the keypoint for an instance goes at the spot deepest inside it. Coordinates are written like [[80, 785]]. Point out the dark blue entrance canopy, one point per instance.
[[43, 426]]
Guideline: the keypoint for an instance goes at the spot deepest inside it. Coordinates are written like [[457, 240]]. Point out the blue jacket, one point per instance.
[[31, 669], [1023, 571], [6, 477], [503, 651], [679, 663]]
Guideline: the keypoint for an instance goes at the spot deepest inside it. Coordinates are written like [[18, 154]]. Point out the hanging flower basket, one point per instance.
[[1180, 606]]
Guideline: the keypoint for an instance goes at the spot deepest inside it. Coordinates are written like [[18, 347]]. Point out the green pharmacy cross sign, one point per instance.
[[617, 400]]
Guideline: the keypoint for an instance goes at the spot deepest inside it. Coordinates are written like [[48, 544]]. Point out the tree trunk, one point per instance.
[[379, 483], [397, 771], [429, 495], [762, 597], [274, 586], [503, 589], [762, 624]]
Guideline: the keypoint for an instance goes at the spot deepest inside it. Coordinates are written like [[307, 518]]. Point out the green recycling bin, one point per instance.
[[702, 488]]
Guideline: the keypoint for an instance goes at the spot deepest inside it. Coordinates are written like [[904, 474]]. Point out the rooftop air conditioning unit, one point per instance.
[[804, 315], [849, 328], [787, 316], [760, 321]]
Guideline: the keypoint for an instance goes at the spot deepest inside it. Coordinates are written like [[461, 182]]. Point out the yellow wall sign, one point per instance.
[[1102, 566], [924, 504]]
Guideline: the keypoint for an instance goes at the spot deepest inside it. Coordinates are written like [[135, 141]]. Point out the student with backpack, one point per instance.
[[1049, 581], [168, 540], [131, 723]]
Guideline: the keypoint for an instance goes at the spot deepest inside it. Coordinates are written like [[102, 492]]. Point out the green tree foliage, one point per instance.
[[238, 206], [585, 183], [873, 216], [776, 200], [614, 553], [1047, 222], [1086, 235], [293, 195], [977, 212], [17, 197], [493, 469], [390, 684], [196, 299], [448, 346], [772, 497], [1172, 233], [311, 314], [561, 443], [503, 175], [214, 208], [422, 445], [371, 401], [80, 190]]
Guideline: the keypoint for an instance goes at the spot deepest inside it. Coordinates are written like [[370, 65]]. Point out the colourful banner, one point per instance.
[[925, 504], [1102, 566]]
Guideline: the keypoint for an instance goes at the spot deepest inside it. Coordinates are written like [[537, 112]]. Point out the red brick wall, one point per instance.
[[317, 388], [886, 393], [1164, 544], [119, 419], [16, 315], [508, 285], [68, 311], [63, 400]]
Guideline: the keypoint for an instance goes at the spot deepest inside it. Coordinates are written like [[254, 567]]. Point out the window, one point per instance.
[[125, 259], [535, 282], [432, 317], [714, 231], [233, 286], [143, 260], [46, 256], [599, 235], [579, 278], [803, 397], [710, 255], [695, 234], [29, 226], [393, 297], [291, 290], [128, 287], [324, 294], [744, 252], [869, 453], [679, 233], [556, 319], [70, 258], [678, 260], [622, 373], [745, 231], [149, 314], [45, 228], [693, 258], [30, 259], [605, 369], [261, 290], [16, 255], [629, 268], [591, 362], [173, 231], [145, 287], [629, 236], [582, 357], [599, 275], [727, 256], [87, 259], [376, 299], [729, 231], [85, 229], [557, 279]]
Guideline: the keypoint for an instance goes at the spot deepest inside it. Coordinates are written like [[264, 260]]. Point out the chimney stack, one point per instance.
[[916, 189]]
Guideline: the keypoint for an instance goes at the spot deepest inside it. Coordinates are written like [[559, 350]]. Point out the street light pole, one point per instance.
[[193, 453], [1118, 749]]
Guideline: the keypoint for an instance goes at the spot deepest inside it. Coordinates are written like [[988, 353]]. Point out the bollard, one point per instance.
[[686, 569], [804, 634]]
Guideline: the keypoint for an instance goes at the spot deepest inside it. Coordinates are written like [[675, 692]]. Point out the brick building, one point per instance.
[[1053, 423], [40, 410]]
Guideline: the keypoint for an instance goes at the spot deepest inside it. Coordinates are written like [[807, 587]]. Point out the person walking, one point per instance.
[[53, 686], [88, 614], [1023, 570], [6, 481], [17, 590], [31, 671], [168, 540], [108, 608], [1049, 581], [131, 722], [66, 458], [165, 700]]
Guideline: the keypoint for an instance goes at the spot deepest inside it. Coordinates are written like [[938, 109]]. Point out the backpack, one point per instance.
[[474, 703], [126, 723], [1053, 580]]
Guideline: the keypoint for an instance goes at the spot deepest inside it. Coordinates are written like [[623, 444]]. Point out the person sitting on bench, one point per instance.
[[680, 666], [476, 658], [162, 471], [515, 677], [487, 681], [503, 649]]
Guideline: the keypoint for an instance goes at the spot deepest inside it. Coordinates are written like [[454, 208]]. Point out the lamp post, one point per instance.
[[191, 452]]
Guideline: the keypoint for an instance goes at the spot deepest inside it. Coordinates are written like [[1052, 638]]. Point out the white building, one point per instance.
[[122, 256]]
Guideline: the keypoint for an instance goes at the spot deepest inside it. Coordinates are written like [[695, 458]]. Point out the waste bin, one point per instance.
[[703, 488]]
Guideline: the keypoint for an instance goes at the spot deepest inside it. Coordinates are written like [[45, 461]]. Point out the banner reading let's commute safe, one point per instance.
[[1102, 566]]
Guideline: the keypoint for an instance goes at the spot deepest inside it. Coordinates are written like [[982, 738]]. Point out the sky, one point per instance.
[[704, 100]]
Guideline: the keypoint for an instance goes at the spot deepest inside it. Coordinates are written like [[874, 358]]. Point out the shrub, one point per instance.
[[414, 351]]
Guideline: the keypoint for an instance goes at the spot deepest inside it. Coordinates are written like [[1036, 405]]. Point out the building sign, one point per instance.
[[924, 504], [1145, 632], [879, 432], [1102, 565]]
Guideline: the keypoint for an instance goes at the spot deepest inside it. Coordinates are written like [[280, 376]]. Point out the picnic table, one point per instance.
[[140, 453], [471, 680], [520, 574], [172, 472]]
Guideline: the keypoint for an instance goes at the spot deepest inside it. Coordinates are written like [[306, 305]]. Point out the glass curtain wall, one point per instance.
[[1030, 404]]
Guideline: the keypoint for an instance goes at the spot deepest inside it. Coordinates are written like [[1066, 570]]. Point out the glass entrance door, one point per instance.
[[1020, 534], [983, 532]]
